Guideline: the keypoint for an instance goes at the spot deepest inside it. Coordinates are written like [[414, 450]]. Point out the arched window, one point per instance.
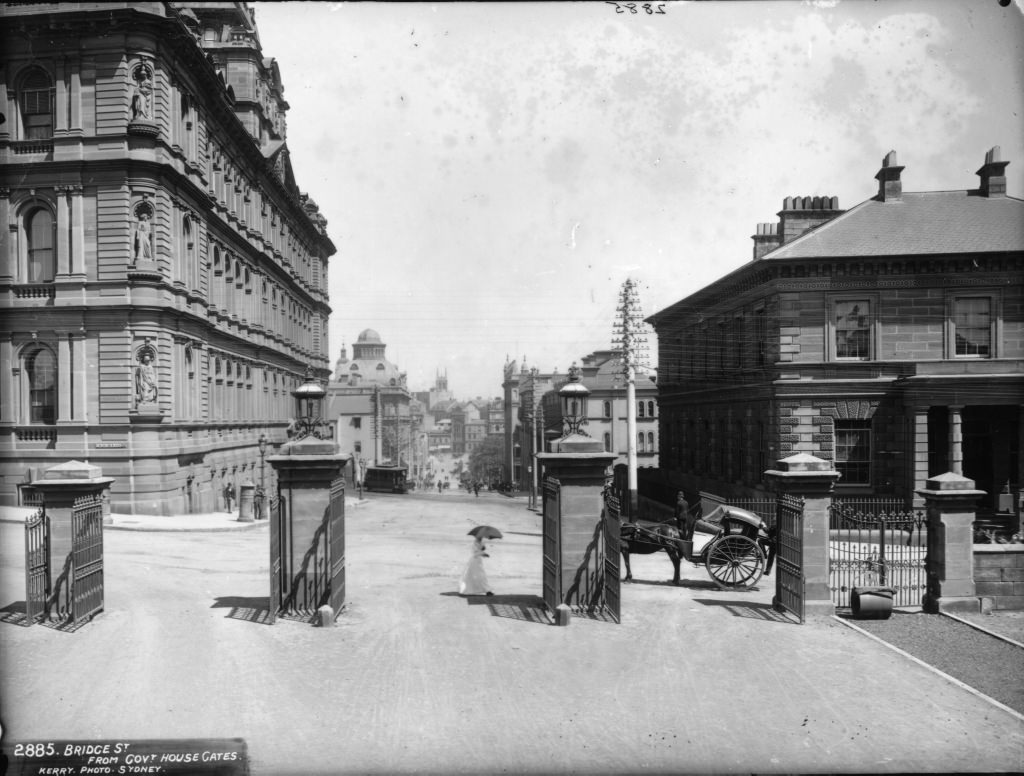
[[650, 441], [640, 442], [188, 257], [650, 409], [41, 372], [35, 100], [640, 409], [40, 238], [607, 411], [607, 442]]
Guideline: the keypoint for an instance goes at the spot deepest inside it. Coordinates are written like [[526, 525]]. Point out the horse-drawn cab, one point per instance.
[[734, 545]]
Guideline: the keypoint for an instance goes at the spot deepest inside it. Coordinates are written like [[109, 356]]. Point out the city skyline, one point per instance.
[[492, 173]]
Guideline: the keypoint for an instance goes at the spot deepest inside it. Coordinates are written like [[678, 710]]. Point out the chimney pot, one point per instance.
[[890, 188], [993, 174]]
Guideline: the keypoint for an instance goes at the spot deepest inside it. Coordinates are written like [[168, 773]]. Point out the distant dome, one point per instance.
[[368, 335]]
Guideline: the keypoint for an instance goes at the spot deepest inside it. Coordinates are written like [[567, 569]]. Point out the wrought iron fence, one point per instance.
[[872, 546]]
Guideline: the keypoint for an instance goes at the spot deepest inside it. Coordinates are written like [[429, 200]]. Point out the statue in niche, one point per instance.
[[142, 97], [143, 240], [145, 378]]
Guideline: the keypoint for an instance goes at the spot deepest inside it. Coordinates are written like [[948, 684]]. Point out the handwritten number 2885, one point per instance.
[[649, 8]]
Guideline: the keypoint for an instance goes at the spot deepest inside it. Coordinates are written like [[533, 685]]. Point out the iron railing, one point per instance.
[[870, 546]]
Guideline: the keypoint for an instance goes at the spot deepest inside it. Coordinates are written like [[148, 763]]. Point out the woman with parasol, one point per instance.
[[474, 578]]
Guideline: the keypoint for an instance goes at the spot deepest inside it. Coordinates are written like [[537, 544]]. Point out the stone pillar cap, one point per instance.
[[803, 463], [949, 481], [578, 443], [949, 484], [72, 472], [309, 445]]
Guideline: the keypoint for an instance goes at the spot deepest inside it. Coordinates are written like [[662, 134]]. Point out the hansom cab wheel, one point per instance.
[[735, 562]]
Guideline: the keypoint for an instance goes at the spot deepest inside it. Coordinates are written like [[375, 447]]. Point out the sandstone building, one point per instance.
[[888, 338], [164, 280]]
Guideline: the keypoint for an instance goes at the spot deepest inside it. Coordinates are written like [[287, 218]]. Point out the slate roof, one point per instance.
[[932, 222]]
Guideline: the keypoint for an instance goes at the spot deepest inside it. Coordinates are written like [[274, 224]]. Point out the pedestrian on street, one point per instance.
[[229, 495], [474, 578], [439, 485], [476, 489]]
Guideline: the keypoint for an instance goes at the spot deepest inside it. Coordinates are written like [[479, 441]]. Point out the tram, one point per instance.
[[389, 478]]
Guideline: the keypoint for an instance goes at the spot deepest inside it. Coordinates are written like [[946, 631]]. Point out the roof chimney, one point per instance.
[[801, 214], [766, 240], [993, 174], [890, 189]]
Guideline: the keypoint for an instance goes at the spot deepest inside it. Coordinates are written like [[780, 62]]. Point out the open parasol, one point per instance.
[[485, 532]]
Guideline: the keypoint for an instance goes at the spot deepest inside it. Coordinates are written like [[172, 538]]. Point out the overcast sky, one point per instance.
[[492, 173]]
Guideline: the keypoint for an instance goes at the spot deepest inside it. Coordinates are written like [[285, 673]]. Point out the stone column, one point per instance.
[[66, 377], [305, 470], [950, 501], [60, 486], [917, 448], [579, 464], [956, 441], [812, 479], [77, 263], [63, 245]]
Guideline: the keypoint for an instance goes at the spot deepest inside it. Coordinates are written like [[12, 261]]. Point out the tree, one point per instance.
[[486, 460]]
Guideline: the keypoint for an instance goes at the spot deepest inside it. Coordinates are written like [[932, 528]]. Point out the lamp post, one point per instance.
[[309, 395], [263, 479], [573, 396]]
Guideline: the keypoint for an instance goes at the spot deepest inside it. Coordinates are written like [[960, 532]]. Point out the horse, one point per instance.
[[643, 538], [648, 538]]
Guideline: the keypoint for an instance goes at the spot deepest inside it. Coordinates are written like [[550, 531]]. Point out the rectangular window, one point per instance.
[[357, 422], [853, 329], [853, 451], [972, 326]]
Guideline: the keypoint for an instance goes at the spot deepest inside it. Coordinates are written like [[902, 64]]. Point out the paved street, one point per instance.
[[417, 679]]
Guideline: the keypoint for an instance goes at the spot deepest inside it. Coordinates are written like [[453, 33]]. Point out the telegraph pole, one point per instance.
[[629, 337]]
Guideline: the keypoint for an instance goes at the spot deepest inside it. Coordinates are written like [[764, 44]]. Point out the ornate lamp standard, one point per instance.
[[262, 443], [309, 396]]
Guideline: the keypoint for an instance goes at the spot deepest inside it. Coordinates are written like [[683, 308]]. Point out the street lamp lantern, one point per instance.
[[573, 396], [309, 397]]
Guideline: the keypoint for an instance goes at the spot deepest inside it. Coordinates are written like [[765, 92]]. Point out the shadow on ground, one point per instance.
[[749, 610], [525, 608], [246, 608]]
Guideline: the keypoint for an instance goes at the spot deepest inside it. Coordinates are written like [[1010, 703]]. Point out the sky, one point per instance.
[[492, 173]]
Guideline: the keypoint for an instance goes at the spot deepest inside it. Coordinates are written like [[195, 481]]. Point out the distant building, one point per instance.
[[164, 280], [376, 418], [888, 338], [606, 411]]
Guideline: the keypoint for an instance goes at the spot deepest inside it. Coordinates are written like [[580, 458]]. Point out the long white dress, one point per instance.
[[474, 578]]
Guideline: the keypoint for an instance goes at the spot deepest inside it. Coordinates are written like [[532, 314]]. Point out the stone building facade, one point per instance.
[[888, 338], [376, 418], [164, 280]]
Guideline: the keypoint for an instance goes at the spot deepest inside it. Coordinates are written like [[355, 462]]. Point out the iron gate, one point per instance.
[[336, 541], [37, 566], [552, 552], [874, 547], [789, 554], [612, 573], [276, 514], [87, 557]]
